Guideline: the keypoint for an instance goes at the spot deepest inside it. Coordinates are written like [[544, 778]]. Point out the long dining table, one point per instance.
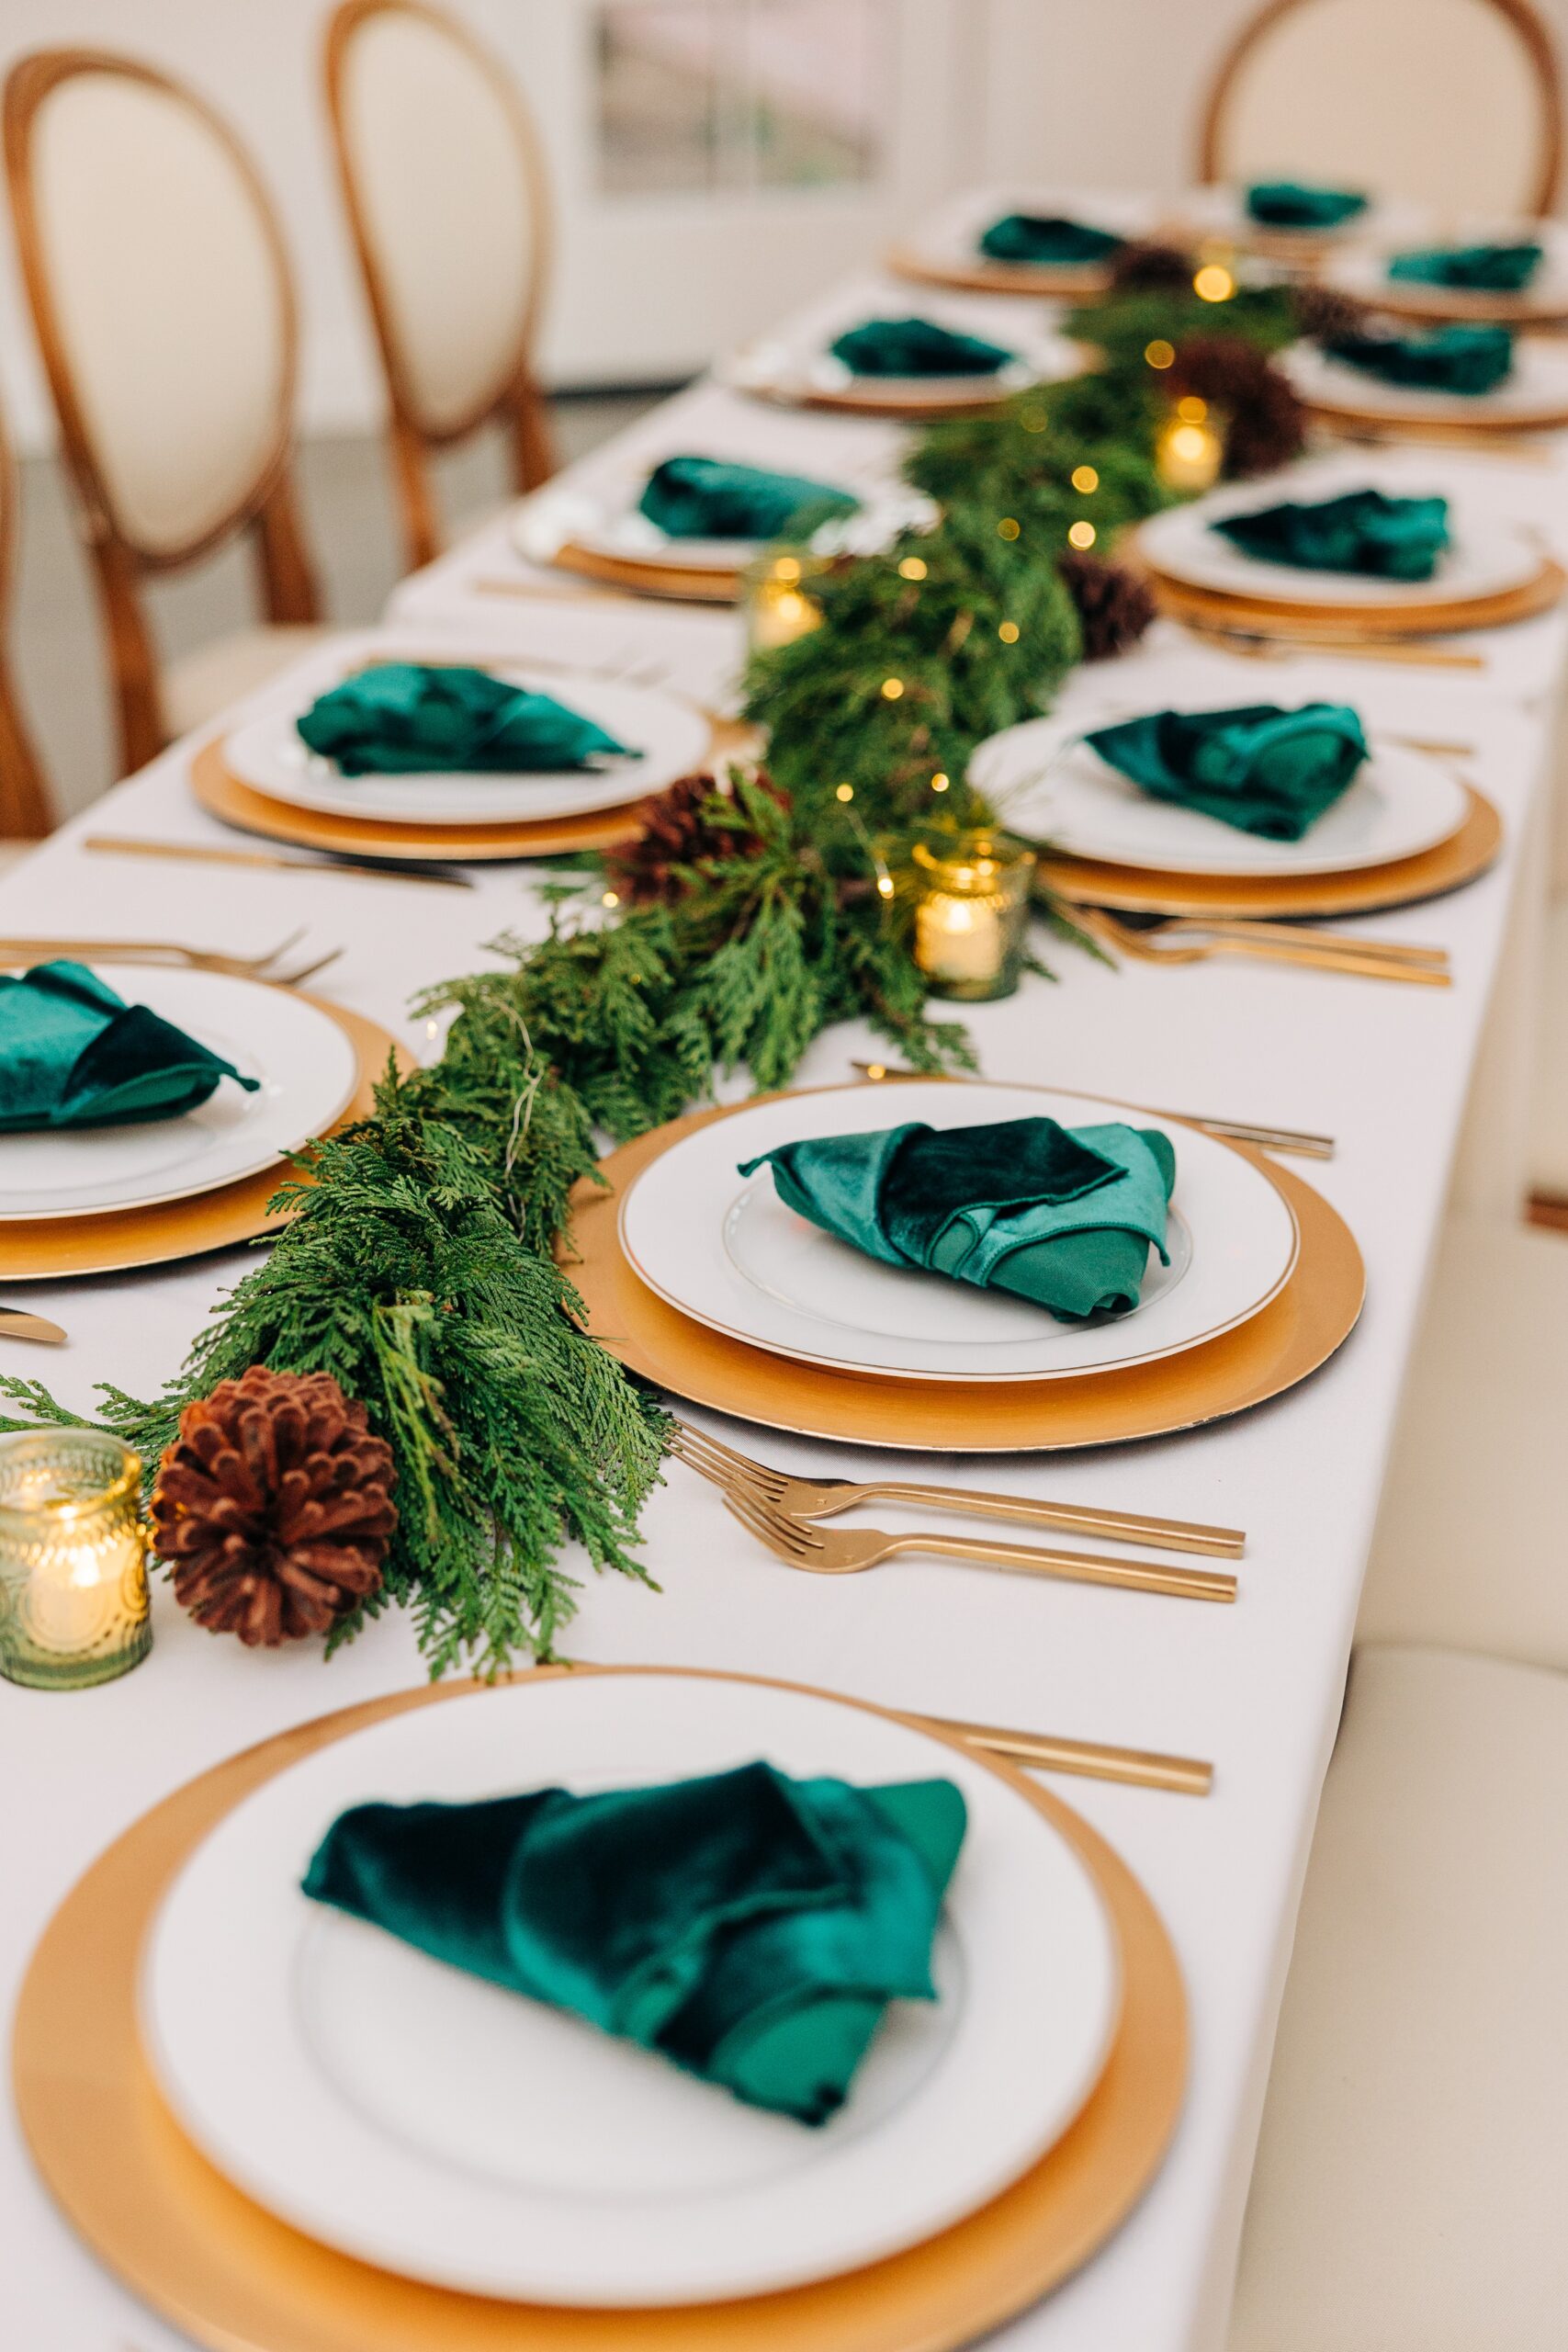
[[1424, 1092]]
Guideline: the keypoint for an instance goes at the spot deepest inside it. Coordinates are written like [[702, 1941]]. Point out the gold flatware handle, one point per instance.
[[193, 853], [1110, 1526], [110, 951], [1300, 1141], [16, 1324], [1288, 935], [1139, 1768], [1306, 960], [1411, 655], [1077, 1567]]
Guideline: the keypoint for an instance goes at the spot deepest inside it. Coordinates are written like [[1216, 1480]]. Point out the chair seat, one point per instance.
[[1470, 1551], [1413, 2173], [1549, 1102], [202, 684]]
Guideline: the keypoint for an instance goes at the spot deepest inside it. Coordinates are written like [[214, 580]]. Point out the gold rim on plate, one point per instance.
[[1321, 623], [236, 2279], [691, 583], [1364, 889], [112, 1242], [1290, 1338], [1456, 306], [1048, 281], [1453, 424]]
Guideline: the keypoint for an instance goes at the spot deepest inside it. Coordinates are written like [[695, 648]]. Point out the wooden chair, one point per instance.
[[449, 209], [161, 298], [25, 811], [1455, 102]]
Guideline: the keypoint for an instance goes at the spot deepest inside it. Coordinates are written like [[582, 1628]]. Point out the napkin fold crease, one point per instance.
[[1268, 772], [74, 1054], [415, 718]]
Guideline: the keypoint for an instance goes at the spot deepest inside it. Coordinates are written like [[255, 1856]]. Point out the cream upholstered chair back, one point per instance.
[[1455, 102], [25, 812], [449, 209], [161, 298]]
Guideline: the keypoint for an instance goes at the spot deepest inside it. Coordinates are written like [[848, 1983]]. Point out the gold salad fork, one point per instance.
[[816, 1498], [1196, 941], [1301, 1141], [168, 951]]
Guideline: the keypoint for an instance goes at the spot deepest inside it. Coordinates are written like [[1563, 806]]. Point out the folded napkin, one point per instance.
[[751, 1927], [1296, 204], [1484, 270], [710, 498], [1449, 359], [1266, 771], [1064, 1216], [917, 347], [407, 717], [74, 1054], [1046, 237], [1362, 530]]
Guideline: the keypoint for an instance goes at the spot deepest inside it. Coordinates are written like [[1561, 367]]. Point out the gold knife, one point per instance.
[[16, 1323]]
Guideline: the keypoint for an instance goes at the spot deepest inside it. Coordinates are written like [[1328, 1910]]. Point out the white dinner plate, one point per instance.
[[1049, 783], [1362, 272], [1534, 392], [793, 367], [607, 521], [1221, 211], [445, 2129], [307, 1070], [271, 755], [951, 237], [723, 1249], [1485, 556]]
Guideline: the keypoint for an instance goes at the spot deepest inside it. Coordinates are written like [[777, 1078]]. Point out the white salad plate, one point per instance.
[[608, 521], [723, 1249], [444, 2128], [1362, 272], [1534, 392], [307, 1070], [1048, 781], [951, 237], [1219, 210], [270, 754], [800, 367], [1485, 556]]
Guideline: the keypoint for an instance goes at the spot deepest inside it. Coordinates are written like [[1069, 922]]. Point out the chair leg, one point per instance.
[[288, 581], [422, 528], [132, 660], [532, 443], [25, 811]]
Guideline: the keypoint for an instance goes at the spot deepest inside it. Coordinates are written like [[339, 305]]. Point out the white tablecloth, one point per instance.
[[1385, 1069]]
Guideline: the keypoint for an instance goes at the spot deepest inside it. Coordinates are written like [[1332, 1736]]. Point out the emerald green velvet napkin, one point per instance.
[[1482, 269], [1468, 360], [1063, 1216], [1362, 531], [1264, 770], [1296, 204], [748, 1927], [74, 1054], [917, 347], [1046, 237], [408, 717], [712, 498]]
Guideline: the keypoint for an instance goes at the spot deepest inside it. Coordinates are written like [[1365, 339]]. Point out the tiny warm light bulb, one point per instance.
[[884, 885], [1213, 282], [1085, 479], [1034, 420], [892, 688], [1160, 354], [876, 1071], [1190, 409], [1007, 632], [912, 568], [1008, 528], [1188, 452], [843, 792], [939, 782], [1081, 535], [611, 898], [787, 567]]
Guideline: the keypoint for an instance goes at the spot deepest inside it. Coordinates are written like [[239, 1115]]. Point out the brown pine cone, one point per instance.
[[1115, 604], [676, 833], [272, 1506], [1265, 423], [1324, 313], [1146, 264]]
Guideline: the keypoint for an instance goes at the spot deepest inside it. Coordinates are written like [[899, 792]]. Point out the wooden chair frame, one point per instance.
[[1532, 33], [268, 512], [519, 406], [25, 811]]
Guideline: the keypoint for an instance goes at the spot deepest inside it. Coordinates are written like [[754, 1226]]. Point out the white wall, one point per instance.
[[1090, 92]]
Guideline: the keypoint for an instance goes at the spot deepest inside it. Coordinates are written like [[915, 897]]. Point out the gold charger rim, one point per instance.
[[1451, 305], [1050, 282], [1351, 625], [236, 2279], [1286, 1340], [1366, 889], [1452, 424], [115, 1241], [687, 584]]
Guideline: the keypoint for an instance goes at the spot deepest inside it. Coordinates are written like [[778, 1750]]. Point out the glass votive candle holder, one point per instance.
[[1189, 447], [778, 601], [971, 913], [73, 1607]]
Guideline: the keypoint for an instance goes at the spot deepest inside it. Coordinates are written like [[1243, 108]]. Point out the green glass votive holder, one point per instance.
[[73, 1605], [972, 914]]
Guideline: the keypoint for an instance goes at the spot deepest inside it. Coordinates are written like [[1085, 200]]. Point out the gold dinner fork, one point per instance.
[[168, 951], [1366, 961], [830, 1551], [815, 1498]]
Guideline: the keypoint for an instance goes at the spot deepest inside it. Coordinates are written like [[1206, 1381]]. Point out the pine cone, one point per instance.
[[1115, 604], [676, 833], [1265, 421], [273, 1507], [1146, 264], [1323, 313]]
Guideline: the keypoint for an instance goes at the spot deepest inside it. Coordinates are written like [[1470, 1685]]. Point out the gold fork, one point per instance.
[[169, 952], [830, 1551], [1367, 963], [1298, 1140], [814, 1498]]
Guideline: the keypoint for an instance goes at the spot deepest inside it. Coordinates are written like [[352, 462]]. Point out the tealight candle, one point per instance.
[[1189, 450], [971, 914], [73, 1560], [778, 605]]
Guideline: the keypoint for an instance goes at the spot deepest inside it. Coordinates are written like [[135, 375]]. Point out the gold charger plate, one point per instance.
[[1086, 283], [1317, 624], [234, 2278], [690, 583], [38, 1250], [1137, 890], [1454, 306], [1415, 422], [1290, 1338]]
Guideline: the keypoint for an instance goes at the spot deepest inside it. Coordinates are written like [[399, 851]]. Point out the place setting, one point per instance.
[[875, 357], [1465, 380], [394, 752], [1052, 242], [1511, 272], [1295, 220]]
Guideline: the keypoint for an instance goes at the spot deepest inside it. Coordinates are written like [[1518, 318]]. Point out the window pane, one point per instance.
[[661, 100], [821, 75]]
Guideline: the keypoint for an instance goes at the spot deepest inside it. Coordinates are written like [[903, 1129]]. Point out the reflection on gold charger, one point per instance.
[[1369, 620], [1290, 1338], [983, 277], [235, 2280], [54, 1248], [689, 584]]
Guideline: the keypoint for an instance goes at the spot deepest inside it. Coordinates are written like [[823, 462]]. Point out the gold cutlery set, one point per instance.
[[1193, 940], [1299, 1143], [168, 951]]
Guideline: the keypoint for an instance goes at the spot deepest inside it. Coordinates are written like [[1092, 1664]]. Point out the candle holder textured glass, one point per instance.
[[73, 1559], [971, 913], [778, 600]]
